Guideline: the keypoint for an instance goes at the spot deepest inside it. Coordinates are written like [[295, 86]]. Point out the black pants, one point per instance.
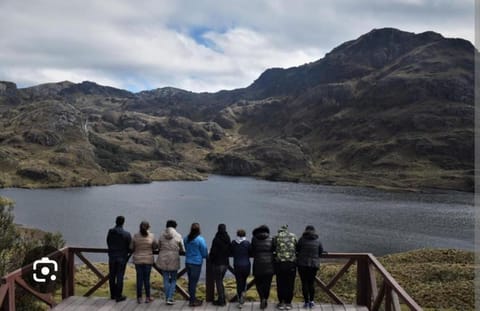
[[263, 284], [307, 276], [241, 275], [116, 269], [285, 273], [218, 275]]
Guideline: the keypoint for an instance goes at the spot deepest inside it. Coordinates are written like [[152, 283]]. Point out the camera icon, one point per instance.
[[44, 269]]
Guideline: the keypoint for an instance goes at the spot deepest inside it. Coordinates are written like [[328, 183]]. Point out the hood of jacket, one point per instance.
[[169, 233], [262, 232], [310, 235]]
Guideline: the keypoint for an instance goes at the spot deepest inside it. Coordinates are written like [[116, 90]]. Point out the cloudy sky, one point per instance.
[[198, 45]]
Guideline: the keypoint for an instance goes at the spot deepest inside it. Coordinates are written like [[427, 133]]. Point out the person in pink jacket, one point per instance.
[[143, 245]]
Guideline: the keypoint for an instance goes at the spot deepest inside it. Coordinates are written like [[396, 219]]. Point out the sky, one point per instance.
[[197, 45]]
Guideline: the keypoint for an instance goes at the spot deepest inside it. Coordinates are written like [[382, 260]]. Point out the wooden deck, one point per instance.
[[105, 304], [376, 289]]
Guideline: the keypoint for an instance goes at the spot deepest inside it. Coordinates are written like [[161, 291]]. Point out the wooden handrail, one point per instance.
[[390, 293]]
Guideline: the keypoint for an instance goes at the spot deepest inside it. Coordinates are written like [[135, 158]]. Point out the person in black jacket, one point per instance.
[[219, 255], [262, 252], [118, 241], [309, 249], [241, 251]]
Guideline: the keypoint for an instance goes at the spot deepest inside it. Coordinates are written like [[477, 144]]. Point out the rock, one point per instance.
[[138, 178], [9, 93], [232, 164], [44, 138], [39, 174]]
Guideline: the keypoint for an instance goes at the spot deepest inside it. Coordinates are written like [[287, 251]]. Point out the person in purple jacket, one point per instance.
[[195, 252]]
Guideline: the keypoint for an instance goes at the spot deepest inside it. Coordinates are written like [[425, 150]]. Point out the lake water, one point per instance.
[[348, 219]]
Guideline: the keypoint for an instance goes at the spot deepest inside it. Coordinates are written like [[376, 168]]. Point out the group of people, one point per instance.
[[280, 255]]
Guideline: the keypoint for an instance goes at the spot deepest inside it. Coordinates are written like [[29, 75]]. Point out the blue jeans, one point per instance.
[[143, 279], [193, 272], [169, 283]]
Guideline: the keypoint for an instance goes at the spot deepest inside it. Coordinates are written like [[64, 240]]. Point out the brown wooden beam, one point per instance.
[[90, 265], [327, 291], [340, 273], [46, 298], [102, 281]]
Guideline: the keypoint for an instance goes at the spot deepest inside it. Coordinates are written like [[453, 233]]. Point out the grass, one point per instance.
[[436, 279]]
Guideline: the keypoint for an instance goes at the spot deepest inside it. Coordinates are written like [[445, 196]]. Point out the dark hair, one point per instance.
[[194, 231], [310, 228], [241, 233], [171, 223], [120, 220], [222, 228], [144, 226]]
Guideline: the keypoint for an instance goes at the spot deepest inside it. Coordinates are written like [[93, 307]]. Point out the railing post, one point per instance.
[[68, 279], [364, 295], [11, 294], [209, 282]]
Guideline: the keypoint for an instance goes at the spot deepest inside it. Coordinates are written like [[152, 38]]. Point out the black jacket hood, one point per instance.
[[261, 232]]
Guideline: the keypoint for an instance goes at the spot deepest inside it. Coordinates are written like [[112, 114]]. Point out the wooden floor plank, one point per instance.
[[73, 304], [105, 304], [62, 305]]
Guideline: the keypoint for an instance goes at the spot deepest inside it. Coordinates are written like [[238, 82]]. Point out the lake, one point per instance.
[[348, 219]]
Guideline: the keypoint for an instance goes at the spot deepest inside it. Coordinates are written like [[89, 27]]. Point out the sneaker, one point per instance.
[[121, 298], [263, 304], [280, 306], [149, 299], [219, 303], [170, 302], [241, 300], [288, 306], [311, 304], [139, 300], [196, 303], [306, 305]]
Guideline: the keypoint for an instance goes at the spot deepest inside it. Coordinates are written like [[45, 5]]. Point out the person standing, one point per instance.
[[309, 249], [219, 257], [118, 242], [170, 246], [241, 251], [262, 252], [284, 245], [195, 252], [143, 244]]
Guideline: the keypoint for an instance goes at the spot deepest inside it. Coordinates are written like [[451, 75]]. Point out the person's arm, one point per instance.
[[154, 243], [203, 248], [109, 238], [213, 253], [182, 247], [131, 245], [320, 249]]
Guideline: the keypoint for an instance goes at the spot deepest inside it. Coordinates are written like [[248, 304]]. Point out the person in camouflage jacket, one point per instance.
[[284, 246]]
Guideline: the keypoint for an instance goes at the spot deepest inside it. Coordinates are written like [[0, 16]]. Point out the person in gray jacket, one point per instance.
[[309, 249], [170, 246]]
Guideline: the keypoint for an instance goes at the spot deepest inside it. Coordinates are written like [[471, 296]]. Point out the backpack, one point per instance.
[[285, 244]]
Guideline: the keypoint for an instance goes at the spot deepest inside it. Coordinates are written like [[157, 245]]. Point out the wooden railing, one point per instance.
[[388, 296]]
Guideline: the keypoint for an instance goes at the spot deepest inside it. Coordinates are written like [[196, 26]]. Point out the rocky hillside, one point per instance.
[[390, 109]]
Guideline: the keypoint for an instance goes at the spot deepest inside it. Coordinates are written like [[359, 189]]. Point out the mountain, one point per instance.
[[389, 109]]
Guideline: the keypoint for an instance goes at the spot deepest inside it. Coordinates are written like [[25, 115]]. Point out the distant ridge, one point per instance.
[[390, 109]]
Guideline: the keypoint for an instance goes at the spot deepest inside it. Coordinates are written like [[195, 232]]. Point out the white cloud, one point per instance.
[[202, 45]]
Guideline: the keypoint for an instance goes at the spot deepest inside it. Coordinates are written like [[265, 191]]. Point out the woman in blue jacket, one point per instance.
[[195, 252]]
